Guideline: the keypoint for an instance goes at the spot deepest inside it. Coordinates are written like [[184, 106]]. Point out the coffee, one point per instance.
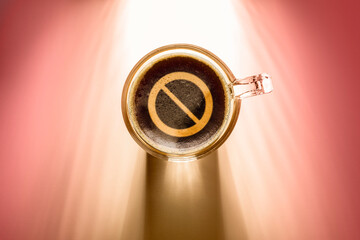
[[179, 103]]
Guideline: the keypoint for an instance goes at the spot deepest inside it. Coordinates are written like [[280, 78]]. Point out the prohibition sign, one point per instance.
[[199, 123]]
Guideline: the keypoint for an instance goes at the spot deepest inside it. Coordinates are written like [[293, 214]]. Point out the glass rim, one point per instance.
[[144, 64]]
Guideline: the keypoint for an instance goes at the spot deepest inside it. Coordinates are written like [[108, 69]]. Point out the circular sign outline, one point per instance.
[[199, 123]]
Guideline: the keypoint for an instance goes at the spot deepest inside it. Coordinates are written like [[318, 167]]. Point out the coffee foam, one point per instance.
[[153, 138]]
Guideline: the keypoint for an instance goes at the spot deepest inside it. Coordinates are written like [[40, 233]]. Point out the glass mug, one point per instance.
[[181, 102]]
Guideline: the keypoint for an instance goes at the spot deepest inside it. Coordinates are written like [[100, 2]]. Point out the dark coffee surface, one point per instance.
[[188, 93]]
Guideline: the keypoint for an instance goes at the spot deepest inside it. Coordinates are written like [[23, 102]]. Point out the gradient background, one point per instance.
[[70, 170]]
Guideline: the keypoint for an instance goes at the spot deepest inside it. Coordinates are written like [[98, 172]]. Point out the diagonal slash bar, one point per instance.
[[180, 104]]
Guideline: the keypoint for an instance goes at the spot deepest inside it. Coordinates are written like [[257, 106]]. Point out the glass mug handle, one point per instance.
[[252, 86]]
